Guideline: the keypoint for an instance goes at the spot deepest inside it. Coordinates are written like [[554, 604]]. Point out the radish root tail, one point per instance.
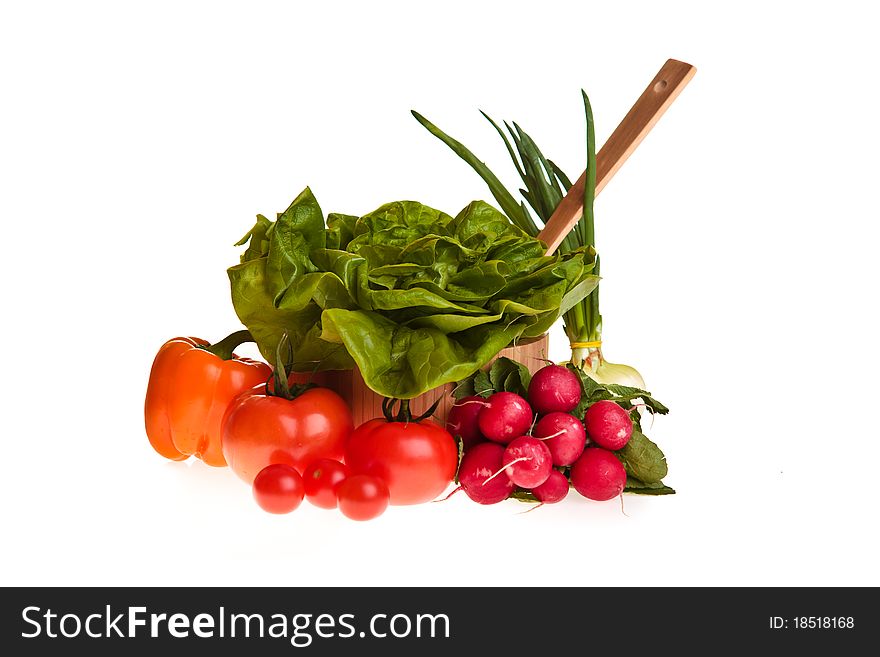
[[443, 499], [561, 432], [507, 465]]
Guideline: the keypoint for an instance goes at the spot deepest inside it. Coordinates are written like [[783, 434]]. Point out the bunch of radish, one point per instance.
[[535, 443]]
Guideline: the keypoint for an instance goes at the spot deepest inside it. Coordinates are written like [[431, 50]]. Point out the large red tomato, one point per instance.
[[260, 430], [416, 459]]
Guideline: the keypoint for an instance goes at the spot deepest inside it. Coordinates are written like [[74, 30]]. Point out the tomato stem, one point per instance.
[[404, 413], [227, 345], [429, 412], [283, 367]]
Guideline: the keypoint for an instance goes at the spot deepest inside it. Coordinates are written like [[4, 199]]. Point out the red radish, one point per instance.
[[564, 436], [462, 420], [553, 490], [527, 462], [608, 425], [598, 475], [504, 416], [554, 388], [478, 464]]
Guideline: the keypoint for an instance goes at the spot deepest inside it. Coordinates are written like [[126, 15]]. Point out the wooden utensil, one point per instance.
[[669, 82]]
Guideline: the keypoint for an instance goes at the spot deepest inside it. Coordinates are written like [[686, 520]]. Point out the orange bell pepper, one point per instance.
[[192, 383]]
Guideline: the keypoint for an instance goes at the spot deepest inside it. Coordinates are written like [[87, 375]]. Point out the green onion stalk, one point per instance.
[[545, 184], [583, 323]]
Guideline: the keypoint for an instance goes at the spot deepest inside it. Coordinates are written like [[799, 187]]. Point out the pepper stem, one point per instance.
[[227, 345]]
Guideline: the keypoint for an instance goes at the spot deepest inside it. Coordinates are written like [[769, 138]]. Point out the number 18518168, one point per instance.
[[813, 622]]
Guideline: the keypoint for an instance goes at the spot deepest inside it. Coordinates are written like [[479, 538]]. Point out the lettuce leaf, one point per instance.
[[299, 317], [403, 362]]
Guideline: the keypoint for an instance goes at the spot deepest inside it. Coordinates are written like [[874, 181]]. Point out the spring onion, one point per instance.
[[545, 184]]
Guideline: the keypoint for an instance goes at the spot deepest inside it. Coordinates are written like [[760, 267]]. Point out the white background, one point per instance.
[[739, 243]]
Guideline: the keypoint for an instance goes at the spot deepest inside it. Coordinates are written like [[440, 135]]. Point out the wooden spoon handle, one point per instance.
[[669, 82]]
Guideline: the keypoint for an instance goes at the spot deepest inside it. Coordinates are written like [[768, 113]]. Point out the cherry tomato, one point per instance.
[[417, 460], [278, 488], [321, 479], [260, 429], [362, 497]]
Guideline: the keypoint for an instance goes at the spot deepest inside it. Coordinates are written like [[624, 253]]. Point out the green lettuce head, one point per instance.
[[409, 295]]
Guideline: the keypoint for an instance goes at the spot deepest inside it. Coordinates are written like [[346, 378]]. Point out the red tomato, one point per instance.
[[321, 479], [278, 488], [362, 497], [416, 459], [259, 430]]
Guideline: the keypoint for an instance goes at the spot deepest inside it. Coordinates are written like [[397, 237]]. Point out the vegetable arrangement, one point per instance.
[[414, 299]]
